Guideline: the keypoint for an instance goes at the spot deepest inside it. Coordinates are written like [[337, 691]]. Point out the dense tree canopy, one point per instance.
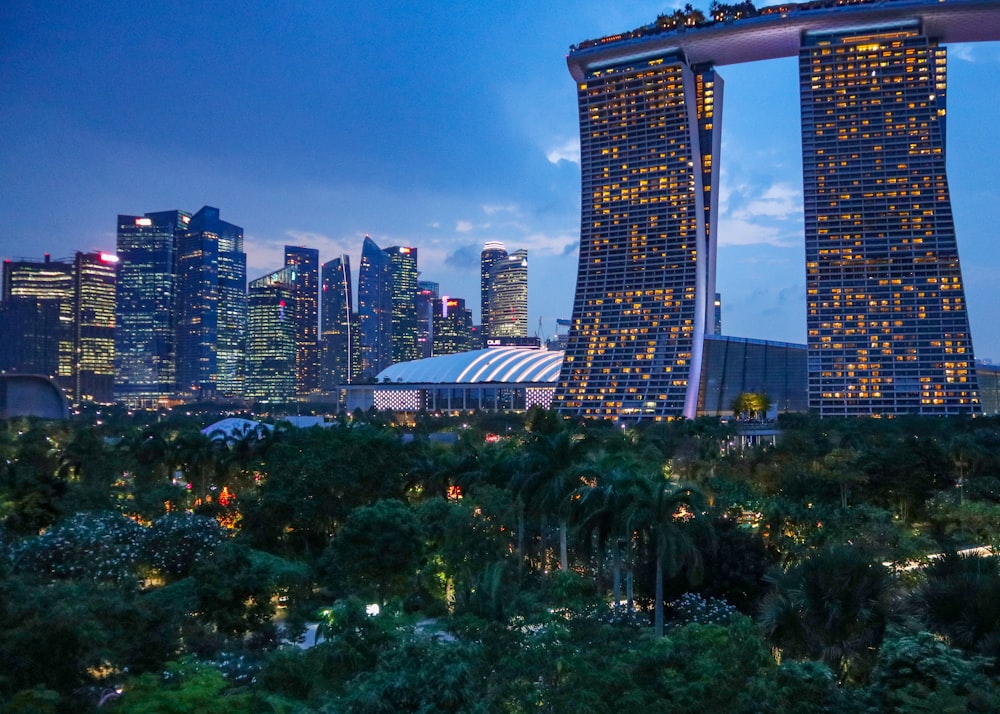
[[530, 564]]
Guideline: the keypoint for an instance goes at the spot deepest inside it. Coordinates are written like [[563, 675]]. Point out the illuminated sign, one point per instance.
[[110, 258], [144, 221]]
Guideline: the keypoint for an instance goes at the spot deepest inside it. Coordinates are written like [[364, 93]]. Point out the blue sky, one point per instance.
[[439, 125]]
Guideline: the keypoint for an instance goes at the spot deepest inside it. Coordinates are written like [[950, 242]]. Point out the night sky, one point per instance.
[[439, 125]]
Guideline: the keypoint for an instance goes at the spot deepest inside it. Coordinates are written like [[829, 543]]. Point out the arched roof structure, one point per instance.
[[503, 365]]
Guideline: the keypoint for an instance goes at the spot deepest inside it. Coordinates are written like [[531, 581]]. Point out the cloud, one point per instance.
[[962, 52], [777, 201], [737, 231], [567, 151], [463, 226], [546, 244], [492, 209], [464, 257]]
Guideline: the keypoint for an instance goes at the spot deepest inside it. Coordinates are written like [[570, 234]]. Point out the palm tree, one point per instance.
[[550, 482], [660, 512], [834, 605], [605, 498]]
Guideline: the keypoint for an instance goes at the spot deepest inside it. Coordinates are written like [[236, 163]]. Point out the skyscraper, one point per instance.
[[888, 330], [508, 296], [211, 307], [95, 278], [145, 365], [403, 276], [340, 362], [427, 291], [69, 308], [42, 287], [374, 310], [648, 137], [492, 252], [306, 286], [272, 336], [452, 327]]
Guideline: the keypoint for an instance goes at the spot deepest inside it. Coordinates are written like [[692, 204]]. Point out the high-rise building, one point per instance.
[[888, 330], [95, 279], [508, 303], [453, 331], [493, 252], [306, 286], [887, 323], [29, 336], [427, 291], [374, 310], [69, 309], [340, 361], [211, 307], [145, 334], [50, 282], [403, 276], [649, 145], [272, 336]]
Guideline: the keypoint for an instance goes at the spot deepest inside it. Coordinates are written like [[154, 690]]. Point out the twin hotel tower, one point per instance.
[[887, 325]]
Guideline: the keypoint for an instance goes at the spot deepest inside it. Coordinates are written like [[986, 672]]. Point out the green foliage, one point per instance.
[[377, 550], [99, 546], [920, 673], [187, 685], [833, 606], [176, 542]]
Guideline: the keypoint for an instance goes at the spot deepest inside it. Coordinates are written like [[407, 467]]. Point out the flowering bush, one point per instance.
[[100, 546], [692, 607], [176, 541]]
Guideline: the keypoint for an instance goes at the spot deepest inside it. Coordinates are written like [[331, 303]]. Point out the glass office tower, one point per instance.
[[508, 297], [338, 321], [492, 252], [145, 367], [403, 276], [95, 278], [306, 286], [49, 286], [272, 336], [888, 331], [211, 307], [374, 310], [645, 282]]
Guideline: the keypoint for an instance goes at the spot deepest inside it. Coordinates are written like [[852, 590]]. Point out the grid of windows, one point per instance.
[[272, 332], [888, 330], [647, 132], [306, 286], [508, 296]]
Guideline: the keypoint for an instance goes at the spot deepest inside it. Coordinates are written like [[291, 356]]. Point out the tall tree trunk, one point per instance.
[[520, 536], [542, 560], [563, 546], [616, 575], [658, 605]]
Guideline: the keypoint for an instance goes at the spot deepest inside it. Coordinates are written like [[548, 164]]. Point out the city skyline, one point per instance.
[[490, 150]]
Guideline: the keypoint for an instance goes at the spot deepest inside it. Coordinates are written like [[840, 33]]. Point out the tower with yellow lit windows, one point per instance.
[[646, 279], [888, 330]]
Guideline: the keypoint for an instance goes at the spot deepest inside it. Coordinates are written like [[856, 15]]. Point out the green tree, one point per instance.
[[378, 549], [833, 606], [661, 512], [188, 685]]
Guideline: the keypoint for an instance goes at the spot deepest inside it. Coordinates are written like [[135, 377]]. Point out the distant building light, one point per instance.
[[109, 258]]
